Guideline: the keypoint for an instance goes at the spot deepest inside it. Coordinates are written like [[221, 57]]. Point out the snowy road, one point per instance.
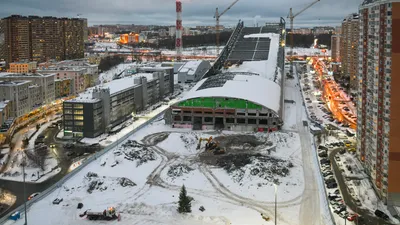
[[310, 204]]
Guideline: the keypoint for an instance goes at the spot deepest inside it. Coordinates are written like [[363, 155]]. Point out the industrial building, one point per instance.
[[378, 102], [23, 38], [193, 71], [242, 97], [105, 106]]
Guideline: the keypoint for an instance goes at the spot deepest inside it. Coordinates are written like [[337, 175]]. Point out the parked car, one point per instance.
[[323, 154], [331, 185], [57, 201], [381, 214], [322, 147], [343, 214], [337, 158], [329, 177], [342, 151], [352, 217], [327, 174]]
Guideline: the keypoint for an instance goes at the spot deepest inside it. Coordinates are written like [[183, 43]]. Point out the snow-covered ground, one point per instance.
[[157, 175], [33, 173]]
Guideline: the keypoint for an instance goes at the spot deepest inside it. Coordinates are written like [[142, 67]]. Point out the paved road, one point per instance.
[[369, 218], [64, 162]]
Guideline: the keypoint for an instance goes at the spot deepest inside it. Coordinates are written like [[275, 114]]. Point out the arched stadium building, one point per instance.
[[232, 101]]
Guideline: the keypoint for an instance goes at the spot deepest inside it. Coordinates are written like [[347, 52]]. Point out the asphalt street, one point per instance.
[[17, 188]]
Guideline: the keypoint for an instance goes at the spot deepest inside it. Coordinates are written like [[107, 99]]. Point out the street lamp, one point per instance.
[[276, 190]]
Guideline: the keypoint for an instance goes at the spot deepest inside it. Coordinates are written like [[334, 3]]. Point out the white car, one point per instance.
[[344, 214], [328, 177]]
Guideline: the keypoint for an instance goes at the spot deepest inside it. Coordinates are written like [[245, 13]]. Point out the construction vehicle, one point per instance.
[[107, 214], [217, 28], [291, 16], [211, 145]]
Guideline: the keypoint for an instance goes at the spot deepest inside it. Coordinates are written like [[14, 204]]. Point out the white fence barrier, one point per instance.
[[72, 173]]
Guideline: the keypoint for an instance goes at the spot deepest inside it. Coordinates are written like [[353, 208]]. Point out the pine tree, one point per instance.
[[184, 204]]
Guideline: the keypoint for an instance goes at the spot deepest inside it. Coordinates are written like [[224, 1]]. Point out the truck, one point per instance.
[[107, 214]]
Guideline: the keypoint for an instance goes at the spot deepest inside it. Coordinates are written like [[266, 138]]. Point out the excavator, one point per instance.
[[211, 145]]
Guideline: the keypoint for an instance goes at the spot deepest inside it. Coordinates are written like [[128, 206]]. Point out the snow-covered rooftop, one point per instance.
[[266, 68], [255, 89], [190, 67]]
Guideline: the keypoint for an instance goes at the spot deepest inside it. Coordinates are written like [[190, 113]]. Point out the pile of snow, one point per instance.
[[183, 144]]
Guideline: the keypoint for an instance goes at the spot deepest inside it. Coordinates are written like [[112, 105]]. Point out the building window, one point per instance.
[[252, 121], [78, 123], [240, 114], [187, 118], [230, 120], [177, 118], [78, 117], [263, 122], [78, 106], [78, 112], [208, 119], [241, 120]]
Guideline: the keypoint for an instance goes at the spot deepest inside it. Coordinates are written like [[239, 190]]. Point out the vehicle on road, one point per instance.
[[33, 195], [57, 201], [52, 146], [352, 217], [107, 214]]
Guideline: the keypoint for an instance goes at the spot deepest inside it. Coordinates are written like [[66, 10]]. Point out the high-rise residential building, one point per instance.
[[378, 104], [349, 49], [41, 38], [335, 48]]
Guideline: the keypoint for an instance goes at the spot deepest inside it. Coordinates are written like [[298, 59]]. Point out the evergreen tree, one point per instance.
[[184, 204]]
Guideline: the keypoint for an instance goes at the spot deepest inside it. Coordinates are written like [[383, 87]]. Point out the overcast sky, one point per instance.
[[195, 12]]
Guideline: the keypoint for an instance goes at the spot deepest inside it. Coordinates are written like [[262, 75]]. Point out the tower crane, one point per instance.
[[217, 16], [291, 16]]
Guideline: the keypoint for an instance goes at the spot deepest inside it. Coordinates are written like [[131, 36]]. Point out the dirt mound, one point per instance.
[[178, 170], [255, 165], [242, 142], [190, 139], [134, 151]]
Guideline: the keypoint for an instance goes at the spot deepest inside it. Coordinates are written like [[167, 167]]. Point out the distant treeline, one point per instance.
[[108, 62], [299, 40]]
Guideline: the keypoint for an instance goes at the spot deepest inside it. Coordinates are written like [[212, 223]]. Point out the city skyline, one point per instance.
[[194, 12]]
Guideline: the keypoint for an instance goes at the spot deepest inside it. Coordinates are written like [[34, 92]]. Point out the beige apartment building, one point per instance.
[[22, 67], [378, 102], [349, 49]]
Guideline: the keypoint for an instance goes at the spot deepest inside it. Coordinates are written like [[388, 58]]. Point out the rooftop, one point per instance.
[[22, 75], [14, 83], [253, 88], [190, 67], [3, 104]]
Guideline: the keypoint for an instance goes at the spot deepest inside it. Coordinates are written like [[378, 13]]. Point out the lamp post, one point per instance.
[[276, 190]]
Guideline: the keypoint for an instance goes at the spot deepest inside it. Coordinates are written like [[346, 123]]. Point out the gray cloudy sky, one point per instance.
[[195, 12]]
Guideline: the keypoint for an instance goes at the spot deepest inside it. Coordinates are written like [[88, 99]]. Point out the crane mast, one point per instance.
[[291, 16], [217, 16]]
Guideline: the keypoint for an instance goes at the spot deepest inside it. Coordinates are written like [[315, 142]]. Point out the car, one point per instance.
[[381, 214], [343, 214], [340, 209], [328, 177], [333, 203], [322, 147], [336, 191], [326, 168], [323, 154], [325, 161], [342, 151], [321, 151], [331, 185], [329, 181], [52, 146], [57, 201], [33, 195], [337, 158], [327, 174], [332, 197], [352, 217]]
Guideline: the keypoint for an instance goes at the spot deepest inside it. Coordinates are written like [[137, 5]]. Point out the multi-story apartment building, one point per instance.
[[22, 67], [349, 49], [17, 92], [44, 83], [378, 105], [41, 38], [104, 107], [5, 111], [76, 74], [335, 48], [64, 87]]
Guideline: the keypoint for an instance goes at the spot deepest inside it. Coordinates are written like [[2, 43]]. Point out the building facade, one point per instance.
[[17, 92], [101, 109], [23, 67], [349, 49], [64, 87], [193, 71], [40, 39], [335, 48], [45, 83], [378, 126]]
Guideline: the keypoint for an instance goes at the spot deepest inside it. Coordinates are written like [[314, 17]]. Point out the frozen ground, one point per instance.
[[108, 75], [142, 178], [33, 173]]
